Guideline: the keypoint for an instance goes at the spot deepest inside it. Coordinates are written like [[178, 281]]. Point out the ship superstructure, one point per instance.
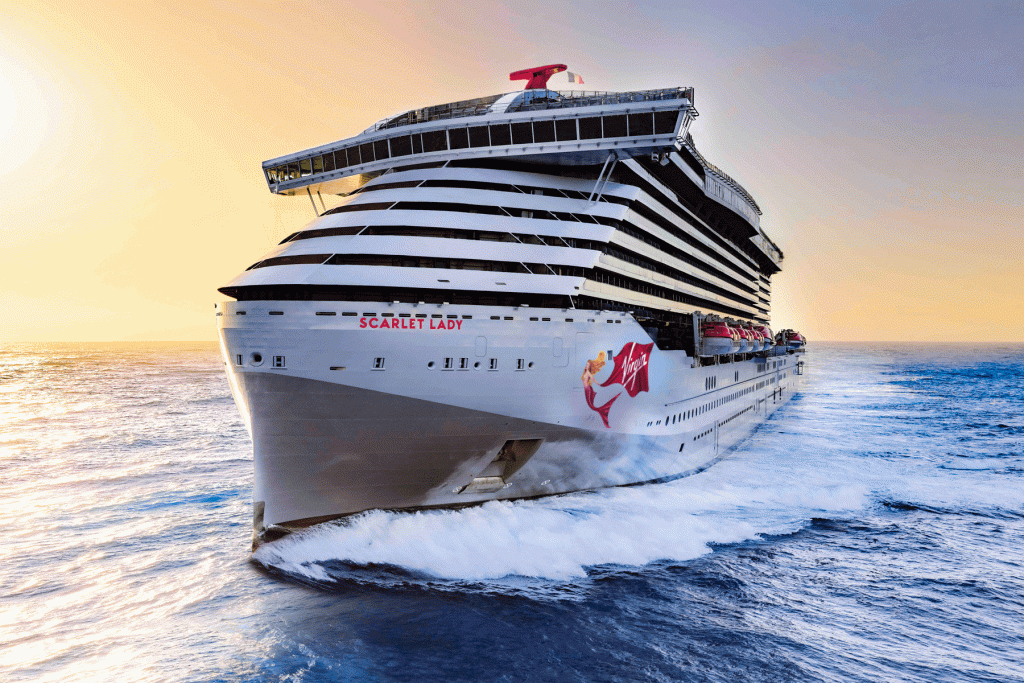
[[421, 342]]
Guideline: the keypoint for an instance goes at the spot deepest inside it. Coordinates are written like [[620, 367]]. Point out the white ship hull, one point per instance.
[[506, 301], [335, 434]]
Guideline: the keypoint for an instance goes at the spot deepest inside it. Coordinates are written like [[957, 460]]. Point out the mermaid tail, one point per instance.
[[600, 410]]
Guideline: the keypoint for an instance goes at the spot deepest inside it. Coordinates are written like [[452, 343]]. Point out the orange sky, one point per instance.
[[882, 142]]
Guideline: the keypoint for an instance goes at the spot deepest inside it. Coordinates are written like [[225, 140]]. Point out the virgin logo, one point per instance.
[[630, 371], [631, 368]]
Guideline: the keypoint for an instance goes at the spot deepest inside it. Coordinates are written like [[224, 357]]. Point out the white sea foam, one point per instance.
[[839, 449], [559, 538]]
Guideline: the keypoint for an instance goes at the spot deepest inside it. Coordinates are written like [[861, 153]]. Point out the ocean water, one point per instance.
[[871, 530]]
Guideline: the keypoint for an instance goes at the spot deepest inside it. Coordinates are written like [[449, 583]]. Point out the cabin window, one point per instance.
[[278, 361], [463, 364], [520, 364], [449, 363], [378, 363], [238, 359], [494, 364]]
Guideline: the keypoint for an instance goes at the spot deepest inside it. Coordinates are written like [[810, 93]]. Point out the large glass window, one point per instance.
[[522, 133], [641, 124], [665, 122], [318, 165], [401, 146], [543, 131], [354, 158], [565, 129], [500, 134], [366, 152], [417, 144], [590, 128], [435, 141], [329, 164], [457, 138], [380, 150], [615, 126], [478, 137], [305, 167]]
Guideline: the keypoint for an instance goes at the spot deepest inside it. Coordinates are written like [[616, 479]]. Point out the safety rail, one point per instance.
[[534, 100], [722, 175]]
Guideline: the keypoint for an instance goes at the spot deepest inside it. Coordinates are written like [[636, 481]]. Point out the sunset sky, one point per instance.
[[882, 141]]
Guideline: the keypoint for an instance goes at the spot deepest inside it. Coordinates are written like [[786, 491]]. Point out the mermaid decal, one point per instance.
[[630, 371], [589, 370]]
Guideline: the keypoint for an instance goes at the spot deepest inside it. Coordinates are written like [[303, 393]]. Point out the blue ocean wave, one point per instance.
[[870, 530]]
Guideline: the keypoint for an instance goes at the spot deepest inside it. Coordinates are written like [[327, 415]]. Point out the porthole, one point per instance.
[[256, 358], [530, 365], [476, 365], [430, 365]]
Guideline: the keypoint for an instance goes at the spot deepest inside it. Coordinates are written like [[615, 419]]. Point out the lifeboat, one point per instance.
[[736, 342], [745, 342], [716, 338], [790, 339], [756, 340], [767, 338]]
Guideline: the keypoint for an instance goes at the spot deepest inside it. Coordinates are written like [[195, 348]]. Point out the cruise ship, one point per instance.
[[515, 296]]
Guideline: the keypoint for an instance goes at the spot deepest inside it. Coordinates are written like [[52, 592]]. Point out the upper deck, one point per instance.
[[570, 128]]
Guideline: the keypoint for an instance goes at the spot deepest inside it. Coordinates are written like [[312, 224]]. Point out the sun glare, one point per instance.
[[24, 114]]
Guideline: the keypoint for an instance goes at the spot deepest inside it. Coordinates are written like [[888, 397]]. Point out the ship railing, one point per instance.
[[768, 248], [719, 173], [565, 99]]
